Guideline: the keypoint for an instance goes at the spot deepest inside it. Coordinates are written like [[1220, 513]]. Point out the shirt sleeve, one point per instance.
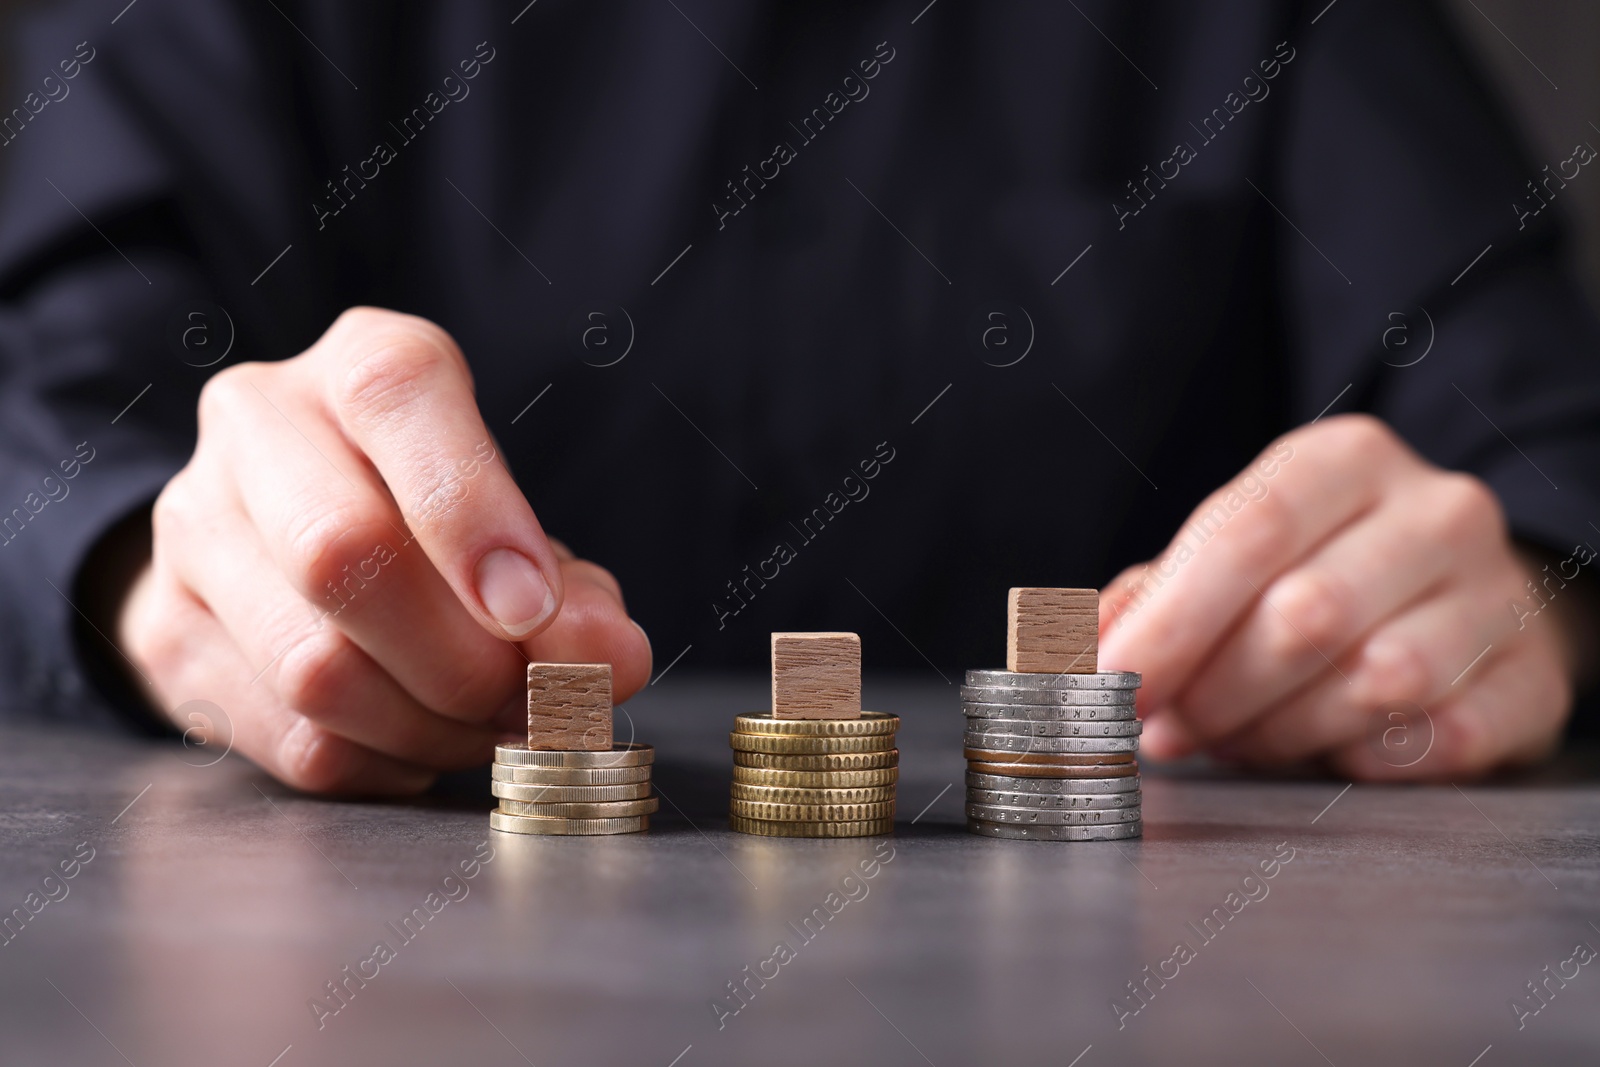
[[1425, 278], [1422, 251], [112, 242]]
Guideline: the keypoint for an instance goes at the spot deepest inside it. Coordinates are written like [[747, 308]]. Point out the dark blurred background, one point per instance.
[[1550, 77], [1542, 59]]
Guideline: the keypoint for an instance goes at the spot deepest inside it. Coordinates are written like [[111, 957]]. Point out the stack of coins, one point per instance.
[[1050, 757], [572, 793], [814, 777]]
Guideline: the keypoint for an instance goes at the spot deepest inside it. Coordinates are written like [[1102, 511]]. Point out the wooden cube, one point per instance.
[[1053, 631], [816, 676], [569, 706]]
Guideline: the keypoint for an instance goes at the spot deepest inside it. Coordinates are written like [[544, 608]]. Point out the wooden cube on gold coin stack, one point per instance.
[[816, 765], [1051, 741], [570, 778]]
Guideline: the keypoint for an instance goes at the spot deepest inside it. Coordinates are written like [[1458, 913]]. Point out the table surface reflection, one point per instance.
[[217, 907]]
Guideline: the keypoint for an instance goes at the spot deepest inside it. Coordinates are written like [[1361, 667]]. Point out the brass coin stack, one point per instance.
[[1051, 742], [816, 765], [569, 778]]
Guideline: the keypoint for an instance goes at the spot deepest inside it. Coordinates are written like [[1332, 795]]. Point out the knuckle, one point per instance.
[[1467, 507], [1396, 668], [440, 494], [386, 377], [222, 394], [593, 573], [364, 318], [162, 649], [473, 683], [313, 759], [322, 544], [1269, 527], [368, 321], [1361, 437], [315, 673], [395, 360], [1313, 613], [168, 515]]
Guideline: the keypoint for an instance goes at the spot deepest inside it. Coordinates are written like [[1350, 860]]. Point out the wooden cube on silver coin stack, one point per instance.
[[1051, 741]]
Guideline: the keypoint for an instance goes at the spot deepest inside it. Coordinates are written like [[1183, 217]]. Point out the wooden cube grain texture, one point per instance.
[[1053, 631], [816, 676], [569, 706]]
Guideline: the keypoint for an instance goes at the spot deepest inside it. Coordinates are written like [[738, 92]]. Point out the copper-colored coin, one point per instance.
[[838, 761], [1029, 770], [871, 724], [1049, 759]]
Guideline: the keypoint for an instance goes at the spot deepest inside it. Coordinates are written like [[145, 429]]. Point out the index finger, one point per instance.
[[1163, 619], [400, 389]]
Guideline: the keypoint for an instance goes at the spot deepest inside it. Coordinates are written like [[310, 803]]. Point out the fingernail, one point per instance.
[[513, 591]]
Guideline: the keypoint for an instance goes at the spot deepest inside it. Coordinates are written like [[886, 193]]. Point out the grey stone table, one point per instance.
[[208, 910]]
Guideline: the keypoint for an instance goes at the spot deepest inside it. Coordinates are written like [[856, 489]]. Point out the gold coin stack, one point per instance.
[[814, 777], [572, 793]]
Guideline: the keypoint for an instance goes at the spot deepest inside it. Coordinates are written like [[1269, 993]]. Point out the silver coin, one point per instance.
[[569, 794], [565, 776], [1005, 798], [1054, 817], [506, 822], [1066, 728], [1051, 712], [1071, 698], [1051, 832], [609, 809], [978, 714], [996, 742], [620, 754], [1075, 786], [1014, 680]]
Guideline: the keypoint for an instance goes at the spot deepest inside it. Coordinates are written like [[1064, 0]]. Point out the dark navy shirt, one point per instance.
[[825, 315]]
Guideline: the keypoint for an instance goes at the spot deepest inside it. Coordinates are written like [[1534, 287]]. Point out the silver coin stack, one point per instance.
[[572, 793], [1052, 757]]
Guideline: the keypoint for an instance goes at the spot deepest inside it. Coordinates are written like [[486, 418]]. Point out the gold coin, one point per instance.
[[774, 794], [1049, 759], [613, 809], [1030, 770], [625, 754], [506, 822], [838, 761], [755, 809], [808, 746], [764, 828], [499, 772], [569, 794], [773, 776], [871, 724]]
